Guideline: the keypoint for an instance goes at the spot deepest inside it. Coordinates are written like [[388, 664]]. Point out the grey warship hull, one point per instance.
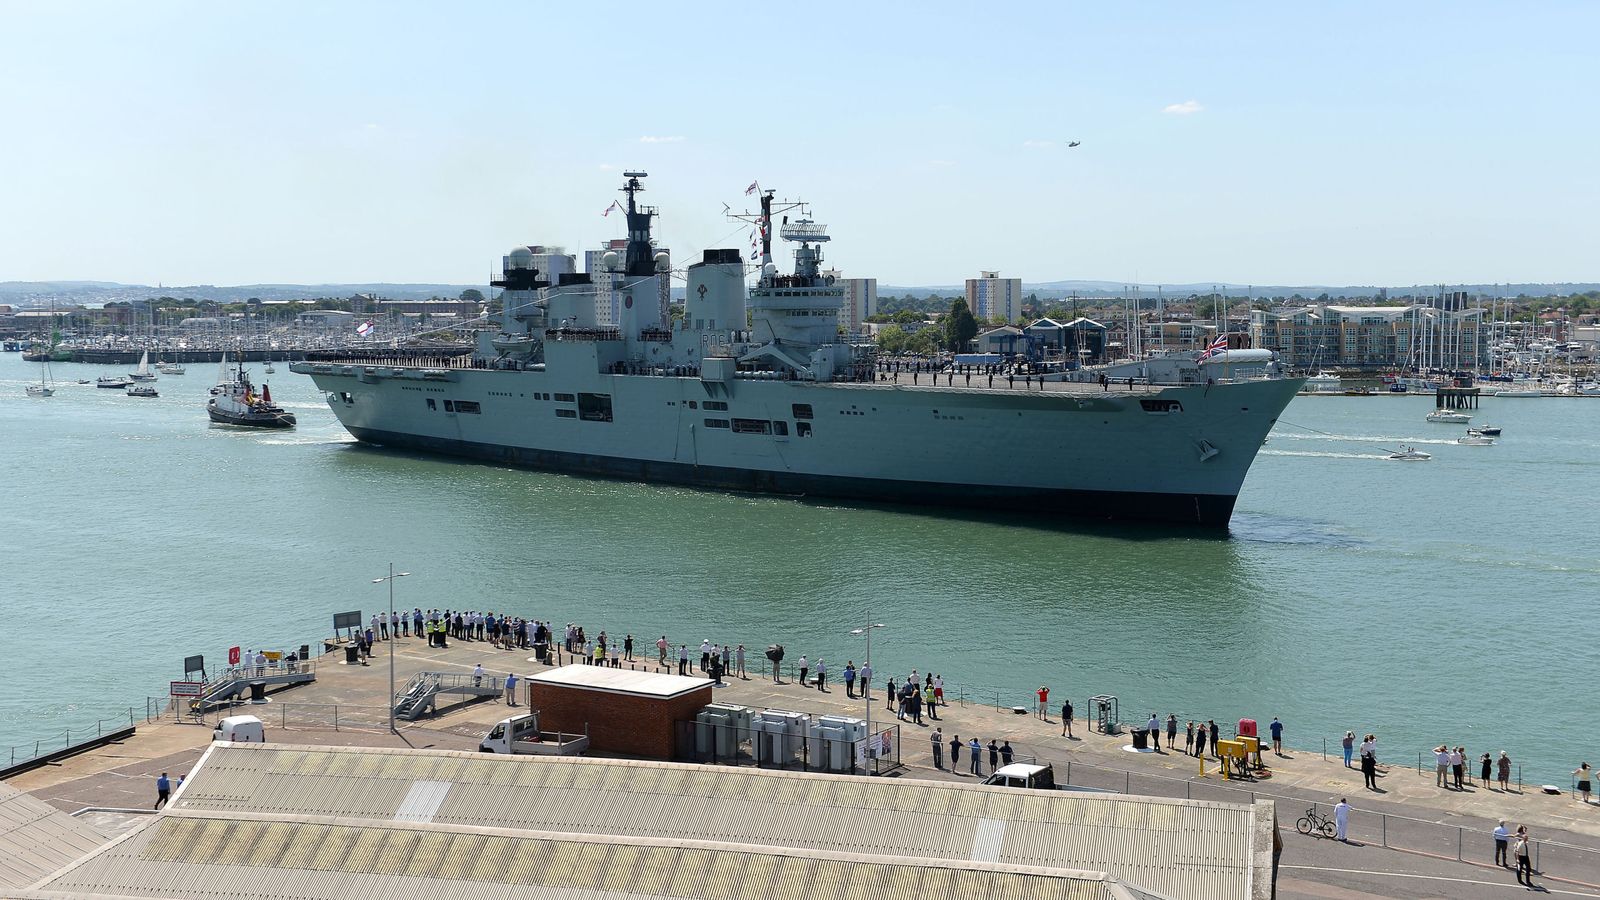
[[1178, 454]]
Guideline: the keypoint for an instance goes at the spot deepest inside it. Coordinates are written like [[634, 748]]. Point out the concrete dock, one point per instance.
[[1410, 839]]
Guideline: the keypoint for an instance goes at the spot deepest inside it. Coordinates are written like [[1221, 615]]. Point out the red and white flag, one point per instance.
[[609, 209], [751, 189], [365, 328], [1217, 346]]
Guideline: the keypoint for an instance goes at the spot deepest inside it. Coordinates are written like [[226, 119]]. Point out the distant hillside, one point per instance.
[[93, 292], [1050, 290]]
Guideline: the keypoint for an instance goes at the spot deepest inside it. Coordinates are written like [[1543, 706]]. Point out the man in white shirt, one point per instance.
[[1154, 725], [1502, 842], [1441, 759], [477, 675]]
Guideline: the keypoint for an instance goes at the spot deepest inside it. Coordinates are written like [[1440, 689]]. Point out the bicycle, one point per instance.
[[1311, 823]]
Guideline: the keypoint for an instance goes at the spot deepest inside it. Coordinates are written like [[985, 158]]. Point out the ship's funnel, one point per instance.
[[714, 298]]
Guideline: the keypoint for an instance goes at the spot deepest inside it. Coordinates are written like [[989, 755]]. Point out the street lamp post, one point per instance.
[[866, 691], [392, 636]]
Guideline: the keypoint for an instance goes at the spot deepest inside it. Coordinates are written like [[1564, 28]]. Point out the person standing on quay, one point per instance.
[[975, 750], [1154, 727], [866, 684], [937, 738], [822, 676], [683, 659], [1504, 771], [1369, 762], [1502, 843], [1349, 747], [1066, 719], [1487, 771], [1277, 736], [1524, 855], [1458, 762], [805, 669], [1044, 700], [1583, 774], [661, 649], [738, 660], [994, 755], [1441, 767], [955, 753], [1216, 734], [931, 702], [850, 679], [627, 646], [1188, 739], [1172, 731], [1341, 818], [511, 689]]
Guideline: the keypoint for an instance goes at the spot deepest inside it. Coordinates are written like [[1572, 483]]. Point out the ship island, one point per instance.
[[754, 389]]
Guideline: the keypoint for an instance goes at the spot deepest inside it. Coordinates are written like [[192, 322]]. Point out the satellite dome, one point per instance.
[[609, 261], [521, 258], [769, 269], [663, 261]]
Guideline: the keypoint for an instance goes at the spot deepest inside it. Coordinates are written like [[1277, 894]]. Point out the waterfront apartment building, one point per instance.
[[608, 303], [1445, 332], [989, 296], [860, 299], [1176, 336]]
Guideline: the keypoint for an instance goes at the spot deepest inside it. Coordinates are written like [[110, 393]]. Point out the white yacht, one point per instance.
[[1449, 417], [143, 373], [1323, 383], [1473, 439]]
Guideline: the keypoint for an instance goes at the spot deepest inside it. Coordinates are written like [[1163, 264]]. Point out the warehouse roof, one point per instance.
[[620, 681], [36, 838], [227, 855], [1174, 847]]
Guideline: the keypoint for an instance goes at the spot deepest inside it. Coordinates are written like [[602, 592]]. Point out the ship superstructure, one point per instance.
[[754, 389]]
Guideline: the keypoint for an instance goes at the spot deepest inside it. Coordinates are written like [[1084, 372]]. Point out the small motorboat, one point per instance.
[[1474, 440], [1489, 430], [141, 390], [113, 382], [1449, 417], [1410, 454]]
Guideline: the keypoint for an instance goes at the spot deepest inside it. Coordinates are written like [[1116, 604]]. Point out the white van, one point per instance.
[[242, 729]]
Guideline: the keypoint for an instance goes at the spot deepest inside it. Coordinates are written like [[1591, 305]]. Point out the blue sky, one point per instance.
[[1261, 143]]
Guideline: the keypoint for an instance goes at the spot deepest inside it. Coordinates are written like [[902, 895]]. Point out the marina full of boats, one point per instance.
[[233, 401]]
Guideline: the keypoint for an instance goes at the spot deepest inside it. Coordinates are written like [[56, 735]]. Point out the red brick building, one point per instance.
[[624, 712]]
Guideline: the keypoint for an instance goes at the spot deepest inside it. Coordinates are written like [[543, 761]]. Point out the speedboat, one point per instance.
[[1474, 440], [1449, 417], [114, 382], [1489, 430], [1410, 454], [141, 390]]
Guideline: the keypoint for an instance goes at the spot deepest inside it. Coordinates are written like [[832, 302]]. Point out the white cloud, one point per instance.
[[657, 139], [1186, 108], [1038, 143]]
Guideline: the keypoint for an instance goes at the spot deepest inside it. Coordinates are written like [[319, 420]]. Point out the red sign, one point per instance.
[[186, 688], [233, 656]]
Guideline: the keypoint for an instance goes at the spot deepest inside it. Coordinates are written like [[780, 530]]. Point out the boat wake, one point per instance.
[[1323, 454], [308, 439], [1356, 438], [1268, 529]]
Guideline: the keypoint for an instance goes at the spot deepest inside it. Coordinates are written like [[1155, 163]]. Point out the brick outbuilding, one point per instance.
[[624, 712]]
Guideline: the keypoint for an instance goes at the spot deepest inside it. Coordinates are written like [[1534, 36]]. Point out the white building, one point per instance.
[[860, 299], [607, 303], [990, 296]]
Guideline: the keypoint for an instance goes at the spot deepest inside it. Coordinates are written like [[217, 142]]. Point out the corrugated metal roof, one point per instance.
[[37, 839], [221, 855], [1179, 848]]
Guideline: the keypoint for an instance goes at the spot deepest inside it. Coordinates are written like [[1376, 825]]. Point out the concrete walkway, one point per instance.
[[1433, 826]]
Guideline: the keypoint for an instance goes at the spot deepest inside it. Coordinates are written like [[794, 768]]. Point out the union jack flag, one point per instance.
[[1217, 346], [751, 189]]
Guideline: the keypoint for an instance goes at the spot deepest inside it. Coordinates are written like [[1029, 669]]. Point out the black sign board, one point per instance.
[[350, 619], [196, 663]]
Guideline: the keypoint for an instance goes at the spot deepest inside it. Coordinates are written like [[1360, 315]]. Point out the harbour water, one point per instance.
[[1428, 602]]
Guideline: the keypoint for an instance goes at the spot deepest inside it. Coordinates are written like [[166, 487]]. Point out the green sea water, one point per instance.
[[1450, 600]]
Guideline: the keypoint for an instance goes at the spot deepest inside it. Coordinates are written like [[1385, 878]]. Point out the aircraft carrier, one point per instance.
[[754, 389]]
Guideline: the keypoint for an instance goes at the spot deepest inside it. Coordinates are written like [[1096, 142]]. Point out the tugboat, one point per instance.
[[235, 402]]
